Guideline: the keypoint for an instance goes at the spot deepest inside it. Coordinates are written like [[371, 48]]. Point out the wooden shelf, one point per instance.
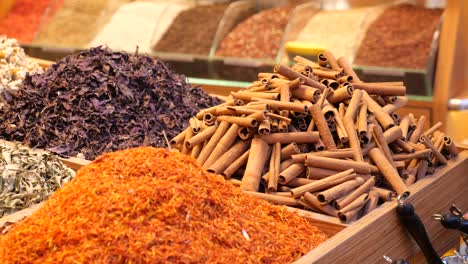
[[451, 79]]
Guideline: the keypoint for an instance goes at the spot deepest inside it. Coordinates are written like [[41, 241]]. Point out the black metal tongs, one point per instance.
[[415, 227], [453, 220]]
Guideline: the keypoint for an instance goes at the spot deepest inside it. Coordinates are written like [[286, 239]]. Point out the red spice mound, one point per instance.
[[400, 37], [151, 205], [24, 19], [259, 36]]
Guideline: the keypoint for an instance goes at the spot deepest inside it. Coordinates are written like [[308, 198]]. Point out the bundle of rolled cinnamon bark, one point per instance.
[[315, 136]]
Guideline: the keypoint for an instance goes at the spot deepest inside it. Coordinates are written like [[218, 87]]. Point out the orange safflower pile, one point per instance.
[[152, 205]]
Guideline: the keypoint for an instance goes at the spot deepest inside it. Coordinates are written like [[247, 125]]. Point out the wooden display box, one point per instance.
[[379, 233]]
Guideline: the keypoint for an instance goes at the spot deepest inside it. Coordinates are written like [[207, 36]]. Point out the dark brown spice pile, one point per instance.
[[259, 36], [148, 205], [193, 30], [400, 37], [98, 101]]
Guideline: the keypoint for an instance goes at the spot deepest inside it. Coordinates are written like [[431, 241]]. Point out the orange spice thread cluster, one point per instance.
[[148, 205]]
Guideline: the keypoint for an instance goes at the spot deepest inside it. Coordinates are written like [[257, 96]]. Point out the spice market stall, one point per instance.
[[331, 137], [327, 224]]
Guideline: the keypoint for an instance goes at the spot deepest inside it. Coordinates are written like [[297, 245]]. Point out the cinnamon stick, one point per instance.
[[324, 183], [229, 157], [236, 165], [348, 121], [435, 152], [400, 102], [255, 164], [450, 146], [201, 137], [291, 74], [432, 129], [288, 151], [404, 146], [422, 169], [371, 202], [283, 165], [195, 125], [240, 121], [356, 204], [322, 127], [348, 215], [346, 78], [287, 138], [177, 140], [362, 120], [420, 154], [278, 105], [290, 173], [364, 188], [188, 136], [319, 173], [208, 149], [297, 182], [264, 128], [327, 209], [307, 93], [196, 150], [222, 145], [404, 125], [381, 89], [275, 199], [388, 171], [348, 70], [331, 60], [338, 164], [336, 154], [341, 94], [339, 190], [384, 194], [382, 117], [275, 162], [382, 144], [418, 131]]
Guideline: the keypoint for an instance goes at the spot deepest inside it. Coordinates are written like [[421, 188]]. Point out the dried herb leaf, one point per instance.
[[28, 177]]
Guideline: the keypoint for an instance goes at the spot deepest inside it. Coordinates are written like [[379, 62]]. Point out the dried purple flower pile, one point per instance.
[[98, 101]]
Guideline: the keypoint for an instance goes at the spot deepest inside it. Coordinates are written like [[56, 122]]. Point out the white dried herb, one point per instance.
[[14, 65], [28, 177]]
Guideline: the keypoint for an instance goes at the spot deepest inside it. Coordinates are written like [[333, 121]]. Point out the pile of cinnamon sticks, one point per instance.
[[315, 136]]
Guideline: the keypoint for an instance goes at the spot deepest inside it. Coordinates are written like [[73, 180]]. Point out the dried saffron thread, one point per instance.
[[148, 205]]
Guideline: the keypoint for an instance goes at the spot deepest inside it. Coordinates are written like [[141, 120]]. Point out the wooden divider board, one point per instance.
[[18, 216], [72, 162], [380, 233]]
